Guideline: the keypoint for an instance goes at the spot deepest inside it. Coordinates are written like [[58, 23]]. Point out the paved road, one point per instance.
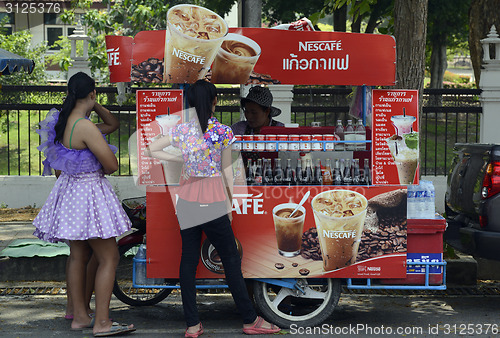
[[356, 316]]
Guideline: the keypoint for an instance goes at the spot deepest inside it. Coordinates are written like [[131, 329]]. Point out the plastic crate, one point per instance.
[[424, 244]]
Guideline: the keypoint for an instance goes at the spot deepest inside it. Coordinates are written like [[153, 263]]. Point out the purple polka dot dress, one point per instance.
[[82, 205]]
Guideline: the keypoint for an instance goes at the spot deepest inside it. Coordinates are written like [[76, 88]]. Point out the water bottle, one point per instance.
[[432, 200], [140, 267], [411, 202], [429, 208], [420, 200]]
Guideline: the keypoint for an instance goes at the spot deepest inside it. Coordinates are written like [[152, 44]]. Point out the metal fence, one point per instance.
[[449, 116]]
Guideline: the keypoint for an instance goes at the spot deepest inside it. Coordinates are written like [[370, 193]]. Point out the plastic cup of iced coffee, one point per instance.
[[289, 229], [340, 217], [195, 34], [166, 122], [406, 162], [235, 59], [403, 123]]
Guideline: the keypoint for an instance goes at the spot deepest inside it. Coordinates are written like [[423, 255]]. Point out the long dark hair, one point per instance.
[[201, 95], [79, 86]]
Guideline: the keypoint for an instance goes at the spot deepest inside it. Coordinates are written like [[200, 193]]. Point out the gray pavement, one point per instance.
[[355, 316]]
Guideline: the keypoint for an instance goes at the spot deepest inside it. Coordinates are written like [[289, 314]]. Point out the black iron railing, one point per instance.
[[449, 116]]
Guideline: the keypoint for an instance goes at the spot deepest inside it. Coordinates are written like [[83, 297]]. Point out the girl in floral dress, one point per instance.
[[204, 204]]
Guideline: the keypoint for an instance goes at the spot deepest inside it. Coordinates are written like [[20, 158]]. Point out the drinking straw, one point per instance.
[[404, 111], [168, 111], [396, 144]]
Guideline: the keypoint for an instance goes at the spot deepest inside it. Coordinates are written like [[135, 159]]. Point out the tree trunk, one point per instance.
[[438, 64], [340, 19], [483, 14], [410, 29]]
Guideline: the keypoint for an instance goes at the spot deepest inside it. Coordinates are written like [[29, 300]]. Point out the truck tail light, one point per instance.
[[491, 181], [491, 186]]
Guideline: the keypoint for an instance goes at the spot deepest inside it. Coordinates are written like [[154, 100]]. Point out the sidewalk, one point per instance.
[[27, 268]]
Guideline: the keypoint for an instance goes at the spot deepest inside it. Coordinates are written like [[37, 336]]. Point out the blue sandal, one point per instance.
[[116, 328]]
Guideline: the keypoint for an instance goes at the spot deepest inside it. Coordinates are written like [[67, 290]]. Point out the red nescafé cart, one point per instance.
[[291, 286]]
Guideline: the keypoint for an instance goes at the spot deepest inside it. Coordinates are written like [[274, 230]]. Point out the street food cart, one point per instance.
[[355, 232]]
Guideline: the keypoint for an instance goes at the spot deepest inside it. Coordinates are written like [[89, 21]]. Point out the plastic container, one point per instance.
[[140, 265], [424, 243]]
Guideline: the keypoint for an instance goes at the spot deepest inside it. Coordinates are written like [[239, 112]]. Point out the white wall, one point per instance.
[[21, 191]]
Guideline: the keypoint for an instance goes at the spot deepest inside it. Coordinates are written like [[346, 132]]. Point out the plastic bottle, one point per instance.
[[366, 172], [360, 132], [339, 132], [410, 202], [337, 174], [356, 177], [278, 172], [289, 173], [347, 179], [140, 267], [349, 136], [239, 173], [318, 175], [258, 172], [428, 198], [308, 179], [268, 173], [327, 173]]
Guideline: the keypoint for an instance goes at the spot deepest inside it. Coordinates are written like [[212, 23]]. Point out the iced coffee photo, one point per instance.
[[340, 217], [289, 228], [406, 161], [195, 34], [235, 59]]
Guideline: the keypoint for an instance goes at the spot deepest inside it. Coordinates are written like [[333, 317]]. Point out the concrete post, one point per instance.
[[490, 84], [282, 99]]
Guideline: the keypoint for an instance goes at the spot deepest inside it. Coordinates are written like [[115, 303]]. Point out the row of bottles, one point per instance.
[[350, 133], [344, 172]]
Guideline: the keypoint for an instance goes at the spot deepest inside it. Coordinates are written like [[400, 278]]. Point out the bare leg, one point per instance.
[[76, 275], [89, 283], [106, 253], [69, 301]]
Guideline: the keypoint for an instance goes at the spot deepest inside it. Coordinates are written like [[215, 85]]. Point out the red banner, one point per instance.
[[369, 242], [119, 50], [275, 57], [157, 112], [395, 138]]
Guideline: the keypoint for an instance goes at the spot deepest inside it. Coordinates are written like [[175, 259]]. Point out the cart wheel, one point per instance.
[[284, 307], [123, 289]]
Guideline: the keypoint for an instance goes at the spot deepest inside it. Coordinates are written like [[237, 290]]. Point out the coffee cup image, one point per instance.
[[339, 216], [194, 35], [235, 59], [289, 229], [166, 122]]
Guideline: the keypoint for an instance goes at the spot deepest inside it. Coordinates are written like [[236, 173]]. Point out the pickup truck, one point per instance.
[[472, 200]]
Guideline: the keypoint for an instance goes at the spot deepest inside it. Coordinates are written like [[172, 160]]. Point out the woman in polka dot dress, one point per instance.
[[82, 208]]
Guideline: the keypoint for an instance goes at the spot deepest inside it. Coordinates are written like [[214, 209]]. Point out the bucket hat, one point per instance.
[[263, 97]]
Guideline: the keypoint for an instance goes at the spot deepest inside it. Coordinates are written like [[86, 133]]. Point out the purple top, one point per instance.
[[202, 154], [58, 157]]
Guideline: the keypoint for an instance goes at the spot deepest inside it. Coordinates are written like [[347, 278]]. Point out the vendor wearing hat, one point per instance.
[[258, 110]]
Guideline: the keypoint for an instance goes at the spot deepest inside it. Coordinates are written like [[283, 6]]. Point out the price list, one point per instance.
[[394, 128], [154, 107]]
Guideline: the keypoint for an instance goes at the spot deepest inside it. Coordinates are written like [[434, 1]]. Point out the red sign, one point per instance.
[[395, 138], [371, 243], [286, 57], [119, 50], [157, 112]]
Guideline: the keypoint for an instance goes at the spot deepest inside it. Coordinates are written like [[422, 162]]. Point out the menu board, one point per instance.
[[157, 112], [395, 137]]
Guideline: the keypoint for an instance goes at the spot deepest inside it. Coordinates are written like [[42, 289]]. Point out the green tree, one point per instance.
[[19, 43], [483, 14], [447, 26]]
